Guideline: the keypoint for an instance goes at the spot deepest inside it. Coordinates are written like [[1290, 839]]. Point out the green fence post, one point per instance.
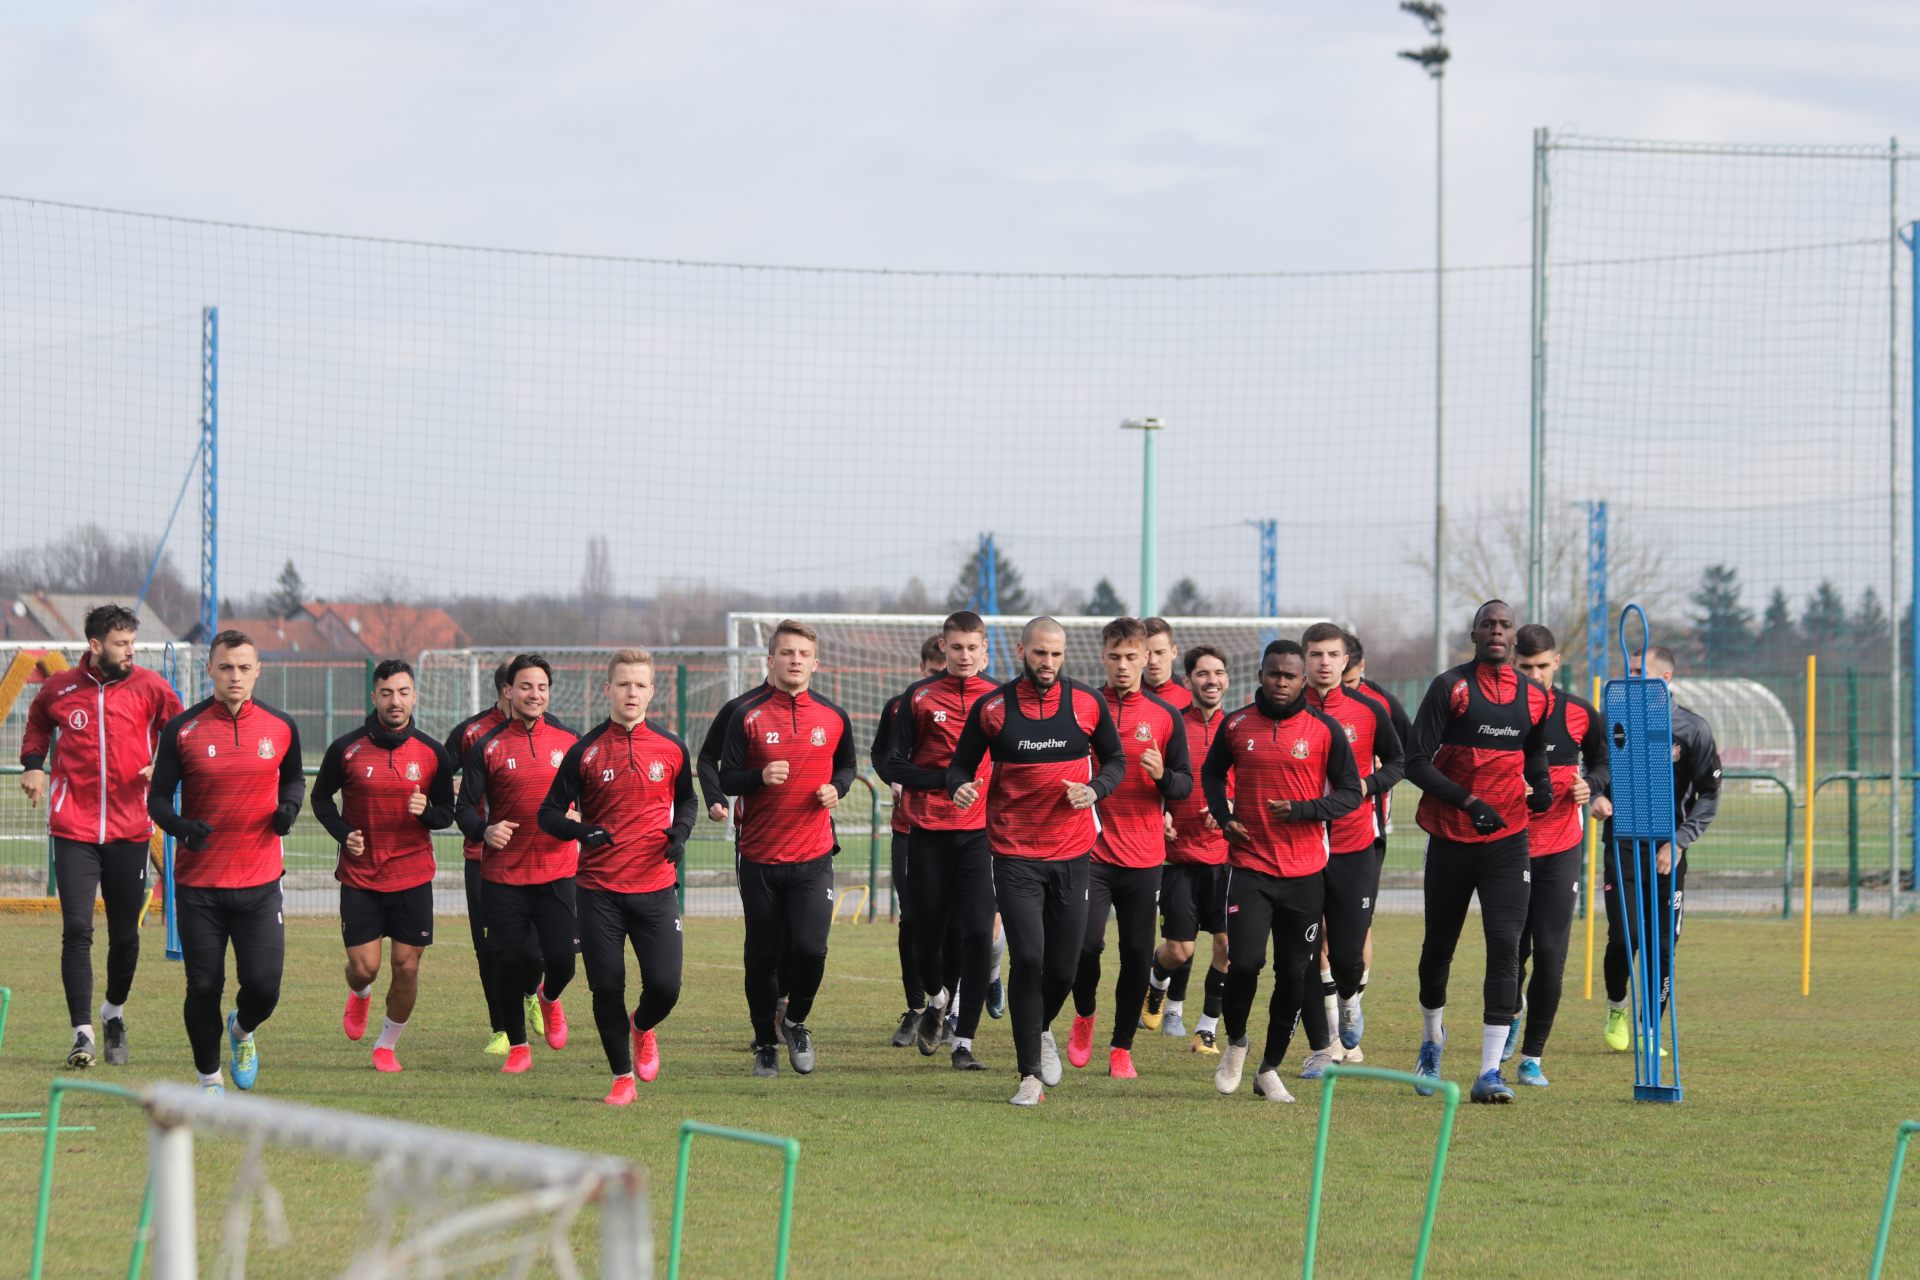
[[56, 1094], [53, 879], [789, 1147], [873, 855], [680, 701], [1449, 1091], [1853, 791], [328, 695]]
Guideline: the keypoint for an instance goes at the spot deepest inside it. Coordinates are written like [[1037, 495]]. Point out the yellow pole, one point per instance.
[[1593, 866], [1806, 898]]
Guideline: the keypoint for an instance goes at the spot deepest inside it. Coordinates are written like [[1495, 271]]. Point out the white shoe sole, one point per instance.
[[1277, 1092]]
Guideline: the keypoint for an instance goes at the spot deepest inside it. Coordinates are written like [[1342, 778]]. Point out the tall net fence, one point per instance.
[[426, 447]]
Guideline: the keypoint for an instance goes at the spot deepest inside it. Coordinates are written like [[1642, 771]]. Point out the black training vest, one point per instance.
[[1489, 725], [1058, 738]]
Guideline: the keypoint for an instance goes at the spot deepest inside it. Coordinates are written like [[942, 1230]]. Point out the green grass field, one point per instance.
[[1774, 1165]]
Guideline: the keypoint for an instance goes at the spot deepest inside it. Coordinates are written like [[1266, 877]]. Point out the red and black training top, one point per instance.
[[787, 822], [638, 784], [1295, 753], [933, 713], [1382, 799], [1175, 694], [1576, 741], [1133, 823], [1479, 732], [1039, 740], [239, 772], [375, 771], [95, 734], [508, 773], [707, 763], [879, 755], [1193, 840], [459, 743], [1370, 734]]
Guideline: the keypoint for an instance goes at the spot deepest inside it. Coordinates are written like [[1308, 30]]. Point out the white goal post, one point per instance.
[[442, 1203]]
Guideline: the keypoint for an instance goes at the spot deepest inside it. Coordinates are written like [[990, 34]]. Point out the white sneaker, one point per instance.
[[1355, 1056], [1233, 1060], [1267, 1084], [1049, 1060], [1029, 1094]]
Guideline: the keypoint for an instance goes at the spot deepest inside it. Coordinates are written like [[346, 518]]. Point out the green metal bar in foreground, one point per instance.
[[1901, 1137], [6, 1003], [1448, 1090], [56, 1094], [791, 1149]]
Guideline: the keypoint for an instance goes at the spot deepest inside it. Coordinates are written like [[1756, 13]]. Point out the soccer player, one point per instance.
[[1292, 773], [1045, 733], [527, 875], [236, 763], [458, 744], [91, 731], [1193, 887], [1130, 847], [1162, 654], [1696, 799], [1353, 869], [1356, 681], [933, 660], [788, 755], [1579, 767], [949, 866], [396, 787], [1479, 755], [633, 787]]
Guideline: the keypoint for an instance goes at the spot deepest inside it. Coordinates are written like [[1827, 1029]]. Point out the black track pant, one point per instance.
[[485, 956], [650, 922], [1617, 963], [209, 919], [1498, 871], [1287, 908], [909, 972], [515, 912], [1556, 889], [950, 875], [789, 910], [1043, 907], [118, 872], [1353, 887], [1134, 895]]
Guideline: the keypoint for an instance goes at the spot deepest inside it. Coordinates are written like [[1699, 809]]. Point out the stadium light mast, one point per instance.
[[1148, 428], [1433, 60]]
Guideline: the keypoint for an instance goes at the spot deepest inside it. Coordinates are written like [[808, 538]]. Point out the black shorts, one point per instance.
[[1193, 899], [405, 915]]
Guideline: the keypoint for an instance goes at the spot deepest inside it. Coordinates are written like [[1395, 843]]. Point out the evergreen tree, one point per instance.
[[1824, 622], [1012, 592], [288, 594], [1185, 601], [1778, 636], [1105, 602], [1869, 624], [1722, 626]]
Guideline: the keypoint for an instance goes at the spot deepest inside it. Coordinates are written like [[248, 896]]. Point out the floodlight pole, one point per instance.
[[1149, 428], [1433, 59]]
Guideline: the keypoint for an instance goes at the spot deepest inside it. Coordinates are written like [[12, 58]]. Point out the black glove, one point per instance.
[[195, 832], [676, 850], [283, 819], [1486, 818], [595, 836], [1540, 799]]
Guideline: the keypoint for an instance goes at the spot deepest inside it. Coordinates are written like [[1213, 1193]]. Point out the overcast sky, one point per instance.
[[1097, 136]]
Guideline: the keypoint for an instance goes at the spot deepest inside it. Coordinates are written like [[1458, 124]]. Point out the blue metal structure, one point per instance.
[[209, 475], [170, 672], [1269, 573], [1596, 591], [1638, 712], [985, 601]]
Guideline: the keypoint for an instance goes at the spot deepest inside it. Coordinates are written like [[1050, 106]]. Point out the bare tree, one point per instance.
[[596, 584], [89, 559]]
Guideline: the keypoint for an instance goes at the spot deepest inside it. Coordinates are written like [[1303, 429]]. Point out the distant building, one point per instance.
[[60, 617]]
